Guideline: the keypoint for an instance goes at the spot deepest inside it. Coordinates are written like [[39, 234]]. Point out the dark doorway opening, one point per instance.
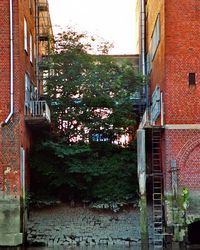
[[193, 233]]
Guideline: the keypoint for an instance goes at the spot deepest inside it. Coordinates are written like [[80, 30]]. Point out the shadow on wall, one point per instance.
[[193, 233]]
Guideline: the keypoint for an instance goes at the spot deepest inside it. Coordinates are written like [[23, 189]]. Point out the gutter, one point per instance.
[[143, 52], [11, 67]]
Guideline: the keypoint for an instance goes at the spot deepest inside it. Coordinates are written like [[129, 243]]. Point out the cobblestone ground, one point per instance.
[[63, 225]]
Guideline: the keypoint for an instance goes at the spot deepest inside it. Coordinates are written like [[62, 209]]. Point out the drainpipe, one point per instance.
[[141, 148], [11, 66], [143, 51], [37, 47], [142, 7]]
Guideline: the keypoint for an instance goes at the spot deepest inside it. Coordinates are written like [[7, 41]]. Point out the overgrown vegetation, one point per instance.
[[97, 172], [91, 107]]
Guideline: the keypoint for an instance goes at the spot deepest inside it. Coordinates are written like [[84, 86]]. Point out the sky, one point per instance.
[[113, 20]]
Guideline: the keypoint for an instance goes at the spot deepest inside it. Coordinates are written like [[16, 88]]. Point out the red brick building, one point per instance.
[[170, 56], [25, 29]]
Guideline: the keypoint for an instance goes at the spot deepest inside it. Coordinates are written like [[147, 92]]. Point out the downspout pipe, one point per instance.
[[11, 67], [143, 50], [141, 148], [142, 3]]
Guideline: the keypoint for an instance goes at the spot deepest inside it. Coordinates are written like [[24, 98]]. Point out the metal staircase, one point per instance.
[[157, 189]]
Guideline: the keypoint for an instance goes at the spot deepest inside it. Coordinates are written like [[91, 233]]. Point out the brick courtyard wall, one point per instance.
[[153, 8], [177, 55], [4, 62], [183, 145], [182, 102], [15, 134]]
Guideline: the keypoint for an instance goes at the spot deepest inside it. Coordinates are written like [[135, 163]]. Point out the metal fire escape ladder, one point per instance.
[[44, 34], [157, 189]]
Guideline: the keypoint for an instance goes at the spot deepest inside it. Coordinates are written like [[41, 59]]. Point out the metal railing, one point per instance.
[[38, 109]]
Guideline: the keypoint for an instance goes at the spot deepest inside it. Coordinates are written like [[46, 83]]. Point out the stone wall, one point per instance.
[[63, 225], [10, 223]]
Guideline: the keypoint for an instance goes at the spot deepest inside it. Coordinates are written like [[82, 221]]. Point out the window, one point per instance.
[[192, 78], [155, 107], [155, 37], [25, 35], [33, 92], [34, 50], [27, 90], [31, 48], [148, 63], [30, 6]]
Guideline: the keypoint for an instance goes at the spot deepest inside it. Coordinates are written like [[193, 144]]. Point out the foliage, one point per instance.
[[89, 92], [97, 172], [89, 95]]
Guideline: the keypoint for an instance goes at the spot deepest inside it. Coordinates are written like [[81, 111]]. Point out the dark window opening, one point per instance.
[[193, 233], [192, 78]]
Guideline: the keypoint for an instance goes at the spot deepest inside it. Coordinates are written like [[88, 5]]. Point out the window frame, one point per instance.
[[31, 47], [155, 38], [25, 35], [27, 90]]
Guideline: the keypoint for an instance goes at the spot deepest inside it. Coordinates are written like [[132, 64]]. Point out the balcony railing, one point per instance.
[[37, 114]]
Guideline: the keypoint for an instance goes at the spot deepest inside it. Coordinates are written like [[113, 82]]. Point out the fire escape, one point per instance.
[[38, 114]]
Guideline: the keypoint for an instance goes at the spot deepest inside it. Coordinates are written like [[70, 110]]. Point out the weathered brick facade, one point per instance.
[[174, 53], [15, 135]]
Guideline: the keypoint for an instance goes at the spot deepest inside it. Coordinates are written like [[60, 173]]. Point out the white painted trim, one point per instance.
[[182, 126]]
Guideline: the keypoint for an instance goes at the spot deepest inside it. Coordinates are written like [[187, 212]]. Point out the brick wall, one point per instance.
[[182, 56], [157, 76], [178, 54], [15, 134], [4, 55], [182, 145]]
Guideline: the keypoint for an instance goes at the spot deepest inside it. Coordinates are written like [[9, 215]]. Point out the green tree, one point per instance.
[[101, 172], [89, 92], [89, 95]]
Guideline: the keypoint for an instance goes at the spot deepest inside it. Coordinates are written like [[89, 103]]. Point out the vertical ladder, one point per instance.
[[157, 189]]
